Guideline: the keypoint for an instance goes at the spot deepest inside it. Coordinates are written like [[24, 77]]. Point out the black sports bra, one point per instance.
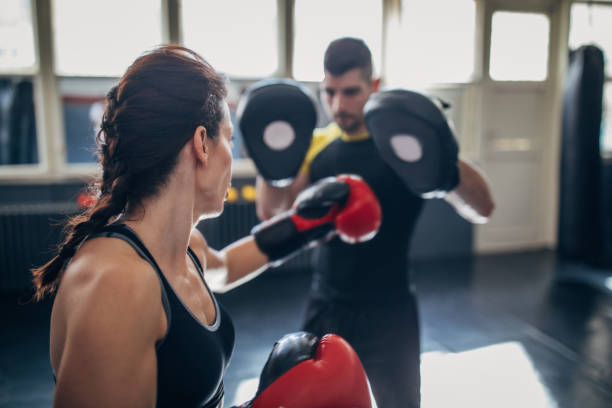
[[192, 357]]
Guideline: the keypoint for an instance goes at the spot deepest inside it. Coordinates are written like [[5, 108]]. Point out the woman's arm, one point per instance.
[[472, 198], [112, 318], [232, 266], [345, 206]]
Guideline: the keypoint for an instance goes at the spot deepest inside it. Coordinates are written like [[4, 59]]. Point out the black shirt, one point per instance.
[[379, 267]]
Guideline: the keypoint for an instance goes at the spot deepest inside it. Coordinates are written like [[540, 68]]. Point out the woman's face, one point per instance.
[[217, 175]]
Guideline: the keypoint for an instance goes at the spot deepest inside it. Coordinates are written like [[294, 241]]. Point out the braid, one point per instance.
[[113, 197], [77, 229]]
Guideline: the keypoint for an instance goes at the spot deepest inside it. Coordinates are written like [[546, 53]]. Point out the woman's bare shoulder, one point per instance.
[[107, 272]]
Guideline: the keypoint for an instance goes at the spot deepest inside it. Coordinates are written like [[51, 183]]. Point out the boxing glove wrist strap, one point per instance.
[[279, 238]]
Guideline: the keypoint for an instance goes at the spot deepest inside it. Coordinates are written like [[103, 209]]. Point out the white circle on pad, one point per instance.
[[278, 135], [407, 148]]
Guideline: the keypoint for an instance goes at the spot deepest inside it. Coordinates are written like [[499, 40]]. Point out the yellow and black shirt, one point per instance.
[[378, 267]]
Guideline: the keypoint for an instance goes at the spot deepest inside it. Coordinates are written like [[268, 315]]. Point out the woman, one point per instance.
[[134, 323], [130, 311]]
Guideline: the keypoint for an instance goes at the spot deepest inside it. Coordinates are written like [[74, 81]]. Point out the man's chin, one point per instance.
[[347, 123], [349, 127]]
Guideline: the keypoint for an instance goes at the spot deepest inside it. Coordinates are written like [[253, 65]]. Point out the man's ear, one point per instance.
[[199, 144], [375, 84]]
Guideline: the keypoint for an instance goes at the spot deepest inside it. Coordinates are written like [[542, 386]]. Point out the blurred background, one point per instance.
[[526, 297]]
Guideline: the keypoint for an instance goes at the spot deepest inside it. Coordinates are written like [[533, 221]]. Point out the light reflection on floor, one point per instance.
[[246, 390], [500, 375]]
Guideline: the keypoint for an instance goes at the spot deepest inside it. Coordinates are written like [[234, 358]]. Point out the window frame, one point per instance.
[[35, 68], [377, 54], [479, 35]]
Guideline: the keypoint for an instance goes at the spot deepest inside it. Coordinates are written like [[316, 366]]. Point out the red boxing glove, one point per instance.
[[305, 372], [360, 218], [343, 205]]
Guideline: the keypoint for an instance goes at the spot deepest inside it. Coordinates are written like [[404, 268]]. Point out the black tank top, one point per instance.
[[377, 268], [192, 357]]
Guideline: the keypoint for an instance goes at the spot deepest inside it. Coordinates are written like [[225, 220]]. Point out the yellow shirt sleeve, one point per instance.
[[320, 139]]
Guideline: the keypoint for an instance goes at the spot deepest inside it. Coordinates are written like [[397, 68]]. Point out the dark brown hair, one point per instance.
[[347, 53], [150, 115]]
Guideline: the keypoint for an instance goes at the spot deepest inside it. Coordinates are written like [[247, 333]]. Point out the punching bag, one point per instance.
[[580, 211]]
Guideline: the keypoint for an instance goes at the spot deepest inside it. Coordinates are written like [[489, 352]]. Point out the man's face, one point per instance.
[[346, 95]]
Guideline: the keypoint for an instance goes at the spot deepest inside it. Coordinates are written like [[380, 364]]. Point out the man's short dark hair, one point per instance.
[[347, 53]]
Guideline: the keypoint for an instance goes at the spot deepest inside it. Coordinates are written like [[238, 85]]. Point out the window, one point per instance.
[[318, 22], [238, 37], [83, 105], [519, 46], [82, 118], [101, 38], [434, 47], [18, 140], [16, 36], [97, 39], [590, 24], [18, 144]]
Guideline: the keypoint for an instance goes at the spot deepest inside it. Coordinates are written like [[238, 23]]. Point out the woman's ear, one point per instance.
[[199, 144]]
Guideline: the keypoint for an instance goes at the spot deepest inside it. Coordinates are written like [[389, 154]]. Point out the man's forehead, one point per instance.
[[349, 79]]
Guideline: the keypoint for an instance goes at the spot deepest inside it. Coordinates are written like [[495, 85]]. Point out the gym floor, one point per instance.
[[497, 331]]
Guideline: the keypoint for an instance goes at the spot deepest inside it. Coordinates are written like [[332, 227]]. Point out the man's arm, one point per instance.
[[472, 198], [273, 200]]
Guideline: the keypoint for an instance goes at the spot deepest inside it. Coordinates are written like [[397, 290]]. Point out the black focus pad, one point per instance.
[[413, 136], [316, 201], [276, 118], [287, 352]]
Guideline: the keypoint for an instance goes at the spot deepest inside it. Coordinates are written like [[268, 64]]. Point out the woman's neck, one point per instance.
[[164, 222]]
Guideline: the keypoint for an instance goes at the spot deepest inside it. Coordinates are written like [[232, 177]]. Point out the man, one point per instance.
[[363, 292]]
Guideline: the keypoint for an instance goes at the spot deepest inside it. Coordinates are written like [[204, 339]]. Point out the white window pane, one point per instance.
[[519, 46], [238, 37], [434, 47], [16, 36], [318, 22], [102, 38], [606, 120], [592, 25]]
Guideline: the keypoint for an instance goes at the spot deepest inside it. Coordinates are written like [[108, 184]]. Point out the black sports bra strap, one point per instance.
[[128, 235]]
